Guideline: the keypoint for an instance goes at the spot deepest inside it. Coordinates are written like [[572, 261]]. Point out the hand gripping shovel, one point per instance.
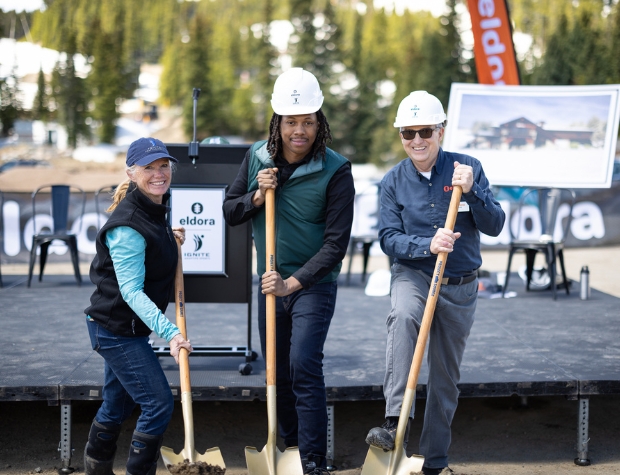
[[270, 461], [396, 462], [188, 461]]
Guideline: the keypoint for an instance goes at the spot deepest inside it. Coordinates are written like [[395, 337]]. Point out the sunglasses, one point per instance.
[[426, 133]]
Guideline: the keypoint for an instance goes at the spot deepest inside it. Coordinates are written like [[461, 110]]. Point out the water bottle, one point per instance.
[[584, 281]]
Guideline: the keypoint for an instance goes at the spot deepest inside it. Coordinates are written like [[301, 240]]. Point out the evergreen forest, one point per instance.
[[365, 57]]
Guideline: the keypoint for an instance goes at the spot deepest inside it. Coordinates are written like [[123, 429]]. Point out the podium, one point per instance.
[[217, 265]]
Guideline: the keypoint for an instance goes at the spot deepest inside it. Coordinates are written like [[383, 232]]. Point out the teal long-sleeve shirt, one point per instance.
[[127, 249]]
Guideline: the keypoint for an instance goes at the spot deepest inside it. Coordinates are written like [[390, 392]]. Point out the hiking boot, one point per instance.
[[143, 454], [100, 449], [383, 437]]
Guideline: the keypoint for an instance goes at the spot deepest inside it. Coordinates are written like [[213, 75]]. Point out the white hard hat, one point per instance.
[[296, 91], [419, 108]]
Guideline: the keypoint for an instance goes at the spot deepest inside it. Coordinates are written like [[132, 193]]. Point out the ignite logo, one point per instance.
[[197, 242]]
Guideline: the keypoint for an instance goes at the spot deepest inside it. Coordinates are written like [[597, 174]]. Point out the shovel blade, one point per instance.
[[270, 461], [393, 462], [212, 457]]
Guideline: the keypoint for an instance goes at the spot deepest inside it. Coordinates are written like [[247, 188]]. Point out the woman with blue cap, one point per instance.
[[134, 271]]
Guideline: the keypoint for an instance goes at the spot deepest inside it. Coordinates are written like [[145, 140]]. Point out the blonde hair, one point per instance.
[[119, 194], [121, 190]]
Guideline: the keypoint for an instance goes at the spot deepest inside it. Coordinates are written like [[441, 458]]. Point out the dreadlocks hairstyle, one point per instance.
[[324, 135]]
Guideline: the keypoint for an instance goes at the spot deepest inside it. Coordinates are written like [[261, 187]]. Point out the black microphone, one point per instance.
[[193, 145]]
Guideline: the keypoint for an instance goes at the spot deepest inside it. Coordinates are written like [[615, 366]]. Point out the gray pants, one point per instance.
[[454, 317]]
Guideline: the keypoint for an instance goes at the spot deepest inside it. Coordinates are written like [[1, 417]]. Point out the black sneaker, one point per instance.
[[310, 467], [437, 471], [383, 437]]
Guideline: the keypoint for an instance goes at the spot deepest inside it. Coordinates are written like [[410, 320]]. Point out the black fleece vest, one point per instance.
[[107, 305]]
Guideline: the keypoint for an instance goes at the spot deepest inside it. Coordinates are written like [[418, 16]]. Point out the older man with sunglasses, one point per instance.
[[415, 196]]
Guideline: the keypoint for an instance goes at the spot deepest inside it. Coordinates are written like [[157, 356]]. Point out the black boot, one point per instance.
[[143, 454], [100, 449], [383, 437]]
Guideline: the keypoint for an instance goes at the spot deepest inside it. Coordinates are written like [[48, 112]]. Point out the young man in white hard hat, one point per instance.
[[314, 212], [415, 196]]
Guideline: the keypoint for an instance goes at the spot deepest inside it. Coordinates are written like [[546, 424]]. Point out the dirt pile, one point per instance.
[[195, 468]]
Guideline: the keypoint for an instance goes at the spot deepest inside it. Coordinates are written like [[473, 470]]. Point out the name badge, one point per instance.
[[463, 207]]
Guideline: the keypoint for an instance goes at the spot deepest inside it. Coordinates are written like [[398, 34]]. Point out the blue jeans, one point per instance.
[[452, 322], [302, 322], [133, 375]]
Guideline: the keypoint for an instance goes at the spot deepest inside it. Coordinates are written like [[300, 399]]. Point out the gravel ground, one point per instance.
[[490, 435]]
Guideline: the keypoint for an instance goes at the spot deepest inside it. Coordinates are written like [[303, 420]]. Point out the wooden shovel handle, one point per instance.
[[270, 306], [433, 294], [179, 302]]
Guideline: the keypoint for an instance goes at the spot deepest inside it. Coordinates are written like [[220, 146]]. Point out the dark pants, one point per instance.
[[302, 322]]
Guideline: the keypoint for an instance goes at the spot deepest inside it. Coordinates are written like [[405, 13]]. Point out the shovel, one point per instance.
[[188, 460], [271, 461], [396, 462]]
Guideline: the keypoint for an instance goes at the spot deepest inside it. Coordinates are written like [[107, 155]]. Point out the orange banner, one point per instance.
[[494, 52]]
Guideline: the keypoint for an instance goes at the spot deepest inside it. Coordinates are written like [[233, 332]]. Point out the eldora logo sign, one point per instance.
[[195, 221], [197, 208], [493, 47]]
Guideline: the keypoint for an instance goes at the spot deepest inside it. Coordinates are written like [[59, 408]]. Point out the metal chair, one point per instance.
[[103, 199], [60, 202], [543, 231]]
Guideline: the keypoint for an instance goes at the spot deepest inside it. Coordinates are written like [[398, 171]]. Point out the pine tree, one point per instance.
[[10, 105], [303, 40], [443, 62], [257, 63], [367, 107], [590, 52], [557, 67], [171, 80], [613, 59], [40, 107], [71, 97], [196, 69], [108, 80], [318, 49]]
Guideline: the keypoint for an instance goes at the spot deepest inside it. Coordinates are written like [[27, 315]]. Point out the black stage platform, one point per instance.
[[526, 346]]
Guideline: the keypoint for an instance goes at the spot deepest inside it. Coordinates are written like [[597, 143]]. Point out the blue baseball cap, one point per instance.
[[146, 150]]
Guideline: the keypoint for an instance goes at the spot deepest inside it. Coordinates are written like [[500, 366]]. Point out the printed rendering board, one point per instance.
[[562, 136]]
